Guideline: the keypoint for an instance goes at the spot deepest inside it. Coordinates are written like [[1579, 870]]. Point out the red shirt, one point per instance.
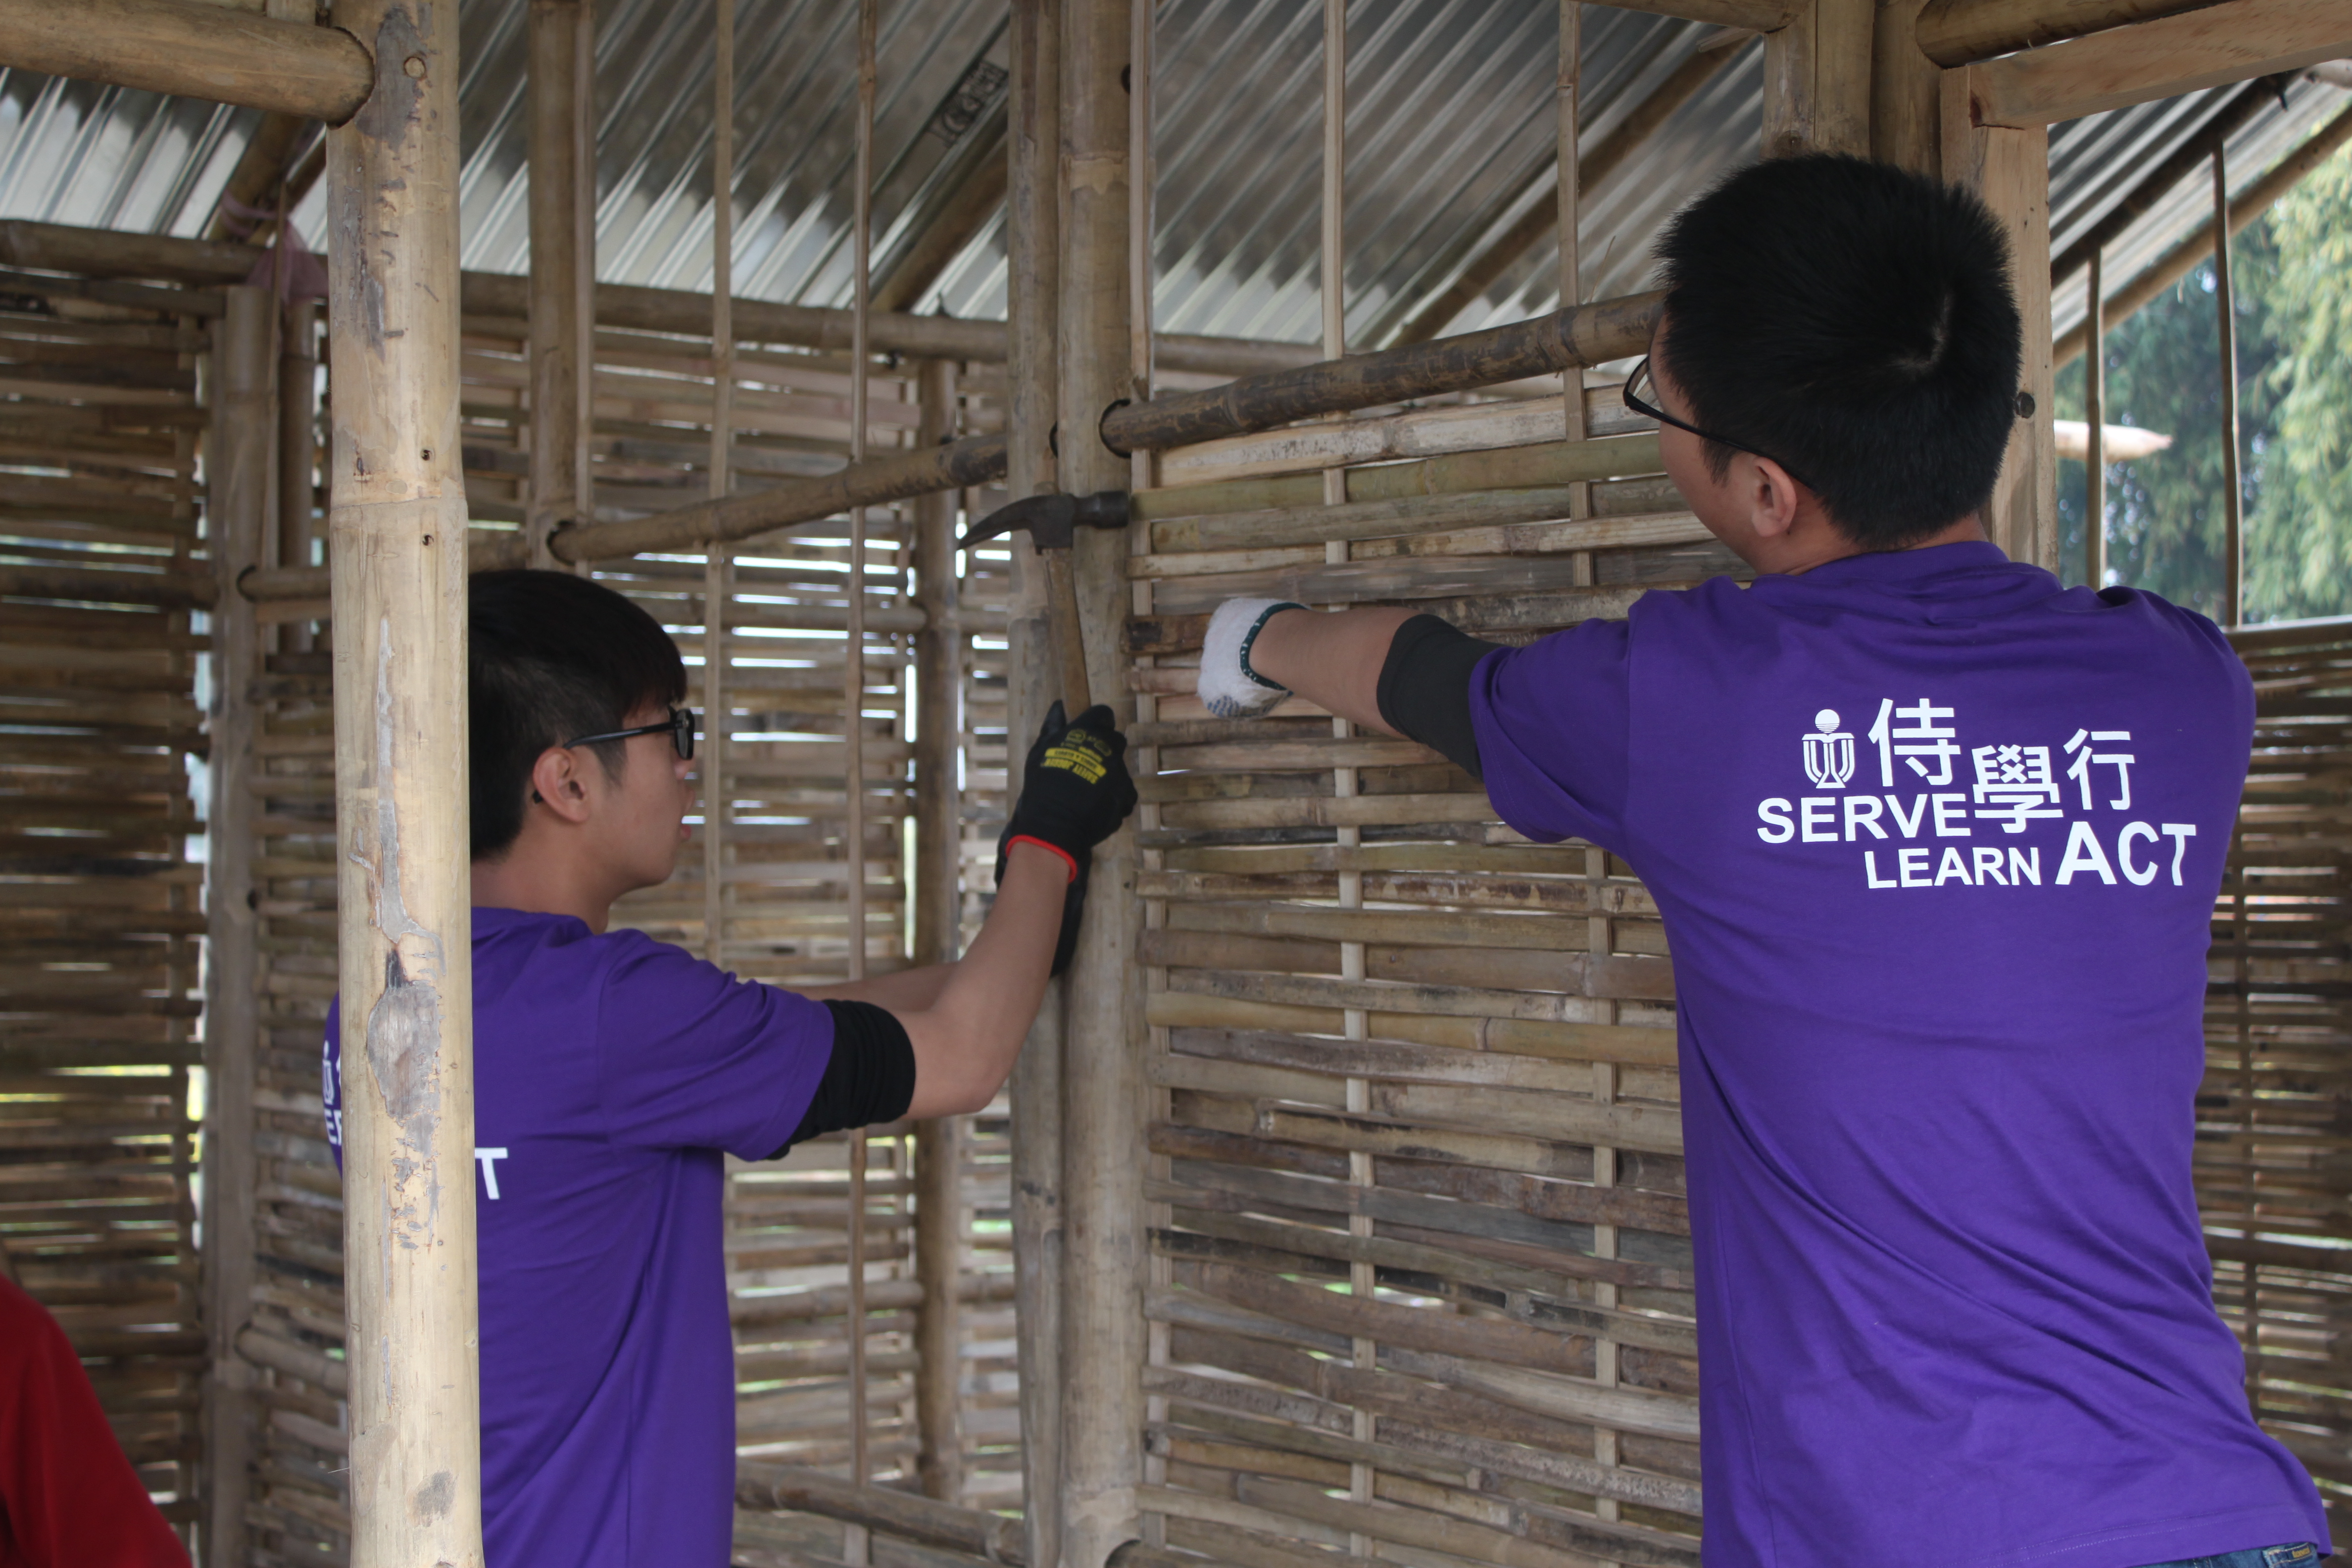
[[68, 1497]]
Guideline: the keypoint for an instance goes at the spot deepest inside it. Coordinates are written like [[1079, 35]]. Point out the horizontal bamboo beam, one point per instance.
[[1584, 335], [192, 51], [1960, 32], [168, 590], [770, 1487], [104, 253], [2234, 41], [2198, 244], [974, 460]]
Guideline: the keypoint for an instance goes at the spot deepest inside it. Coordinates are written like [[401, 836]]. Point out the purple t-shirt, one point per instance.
[[1937, 844], [610, 1072]]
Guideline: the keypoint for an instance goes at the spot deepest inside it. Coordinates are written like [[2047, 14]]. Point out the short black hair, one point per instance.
[[1856, 322], [550, 656]]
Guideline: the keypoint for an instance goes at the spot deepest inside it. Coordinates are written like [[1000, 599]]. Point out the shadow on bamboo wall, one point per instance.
[[101, 644]]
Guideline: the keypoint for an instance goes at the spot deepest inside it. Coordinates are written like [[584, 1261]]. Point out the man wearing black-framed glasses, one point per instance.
[[1937, 841]]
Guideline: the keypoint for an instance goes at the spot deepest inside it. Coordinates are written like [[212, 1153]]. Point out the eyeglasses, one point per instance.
[[1640, 405], [680, 727]]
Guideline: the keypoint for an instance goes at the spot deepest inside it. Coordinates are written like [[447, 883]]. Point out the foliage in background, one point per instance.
[[2292, 276]]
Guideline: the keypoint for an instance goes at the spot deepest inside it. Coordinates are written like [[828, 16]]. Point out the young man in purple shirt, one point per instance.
[[1938, 843], [613, 1073]]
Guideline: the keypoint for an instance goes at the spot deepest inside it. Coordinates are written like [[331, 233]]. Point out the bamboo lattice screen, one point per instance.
[[99, 901], [1421, 1284], [2274, 1122], [781, 743]]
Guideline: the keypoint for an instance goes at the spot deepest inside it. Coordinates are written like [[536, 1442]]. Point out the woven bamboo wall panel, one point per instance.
[[2274, 1123], [1420, 1283], [780, 741], [100, 917]]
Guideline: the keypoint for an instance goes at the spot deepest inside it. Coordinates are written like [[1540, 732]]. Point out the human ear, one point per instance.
[[556, 783], [1772, 497]]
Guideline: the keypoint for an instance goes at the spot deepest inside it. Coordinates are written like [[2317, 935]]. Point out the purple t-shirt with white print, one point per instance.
[[1937, 844], [609, 1074]]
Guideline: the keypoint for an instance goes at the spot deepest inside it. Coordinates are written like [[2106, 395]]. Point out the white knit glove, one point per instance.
[[1229, 688]]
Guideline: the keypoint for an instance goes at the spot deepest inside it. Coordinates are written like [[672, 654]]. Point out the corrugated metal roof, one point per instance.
[[1450, 133]]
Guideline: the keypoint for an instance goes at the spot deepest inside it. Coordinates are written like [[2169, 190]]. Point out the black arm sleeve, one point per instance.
[[870, 1077], [1424, 690]]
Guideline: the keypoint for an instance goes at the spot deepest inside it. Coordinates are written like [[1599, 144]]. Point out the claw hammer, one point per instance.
[[1052, 522]]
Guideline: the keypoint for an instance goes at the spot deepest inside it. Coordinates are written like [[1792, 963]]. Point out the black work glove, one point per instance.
[[1074, 792]]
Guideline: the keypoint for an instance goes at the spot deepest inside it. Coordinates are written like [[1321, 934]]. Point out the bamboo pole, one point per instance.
[[1102, 1455], [109, 253], [405, 951], [297, 451], [2244, 208], [193, 51], [563, 93], [237, 463], [855, 1546], [2008, 168], [1958, 32], [1033, 243], [717, 562], [2233, 500], [939, 844], [1589, 335], [2094, 459]]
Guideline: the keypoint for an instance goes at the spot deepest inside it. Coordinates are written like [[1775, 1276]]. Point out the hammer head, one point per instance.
[[1051, 519]]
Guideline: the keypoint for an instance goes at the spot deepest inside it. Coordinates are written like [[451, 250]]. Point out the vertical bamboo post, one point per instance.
[[939, 844], [718, 559], [563, 93], [855, 1545], [2095, 417], [2008, 168], [1906, 91], [1817, 79], [398, 526], [1102, 1181], [2233, 500], [1142, 225], [236, 517], [297, 451], [1033, 243]]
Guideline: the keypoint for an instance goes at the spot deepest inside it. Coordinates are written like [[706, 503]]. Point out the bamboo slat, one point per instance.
[[100, 913]]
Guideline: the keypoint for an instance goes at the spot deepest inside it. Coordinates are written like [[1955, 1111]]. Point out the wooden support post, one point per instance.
[[237, 463], [1032, 241], [398, 527], [1907, 108], [2094, 458], [2008, 168], [562, 101], [937, 892], [719, 560], [1817, 77], [855, 1545], [1102, 1180], [2233, 500]]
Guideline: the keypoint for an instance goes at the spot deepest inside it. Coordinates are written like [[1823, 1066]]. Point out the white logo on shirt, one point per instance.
[[2015, 785], [1828, 752], [489, 1159]]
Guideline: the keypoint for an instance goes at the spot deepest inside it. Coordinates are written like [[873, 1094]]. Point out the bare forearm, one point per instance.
[[968, 1036], [1333, 661]]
